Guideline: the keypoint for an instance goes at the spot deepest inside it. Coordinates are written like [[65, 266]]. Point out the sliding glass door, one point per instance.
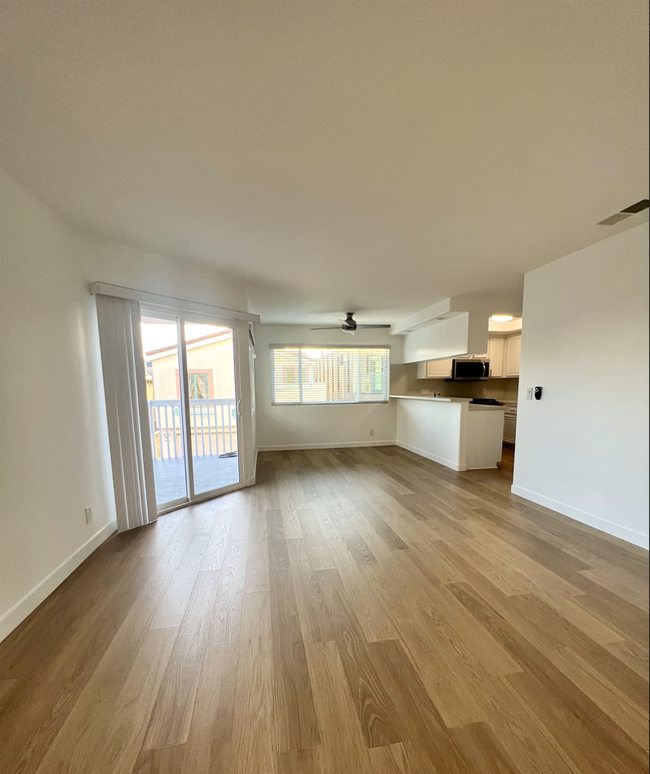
[[160, 344], [192, 396], [212, 398]]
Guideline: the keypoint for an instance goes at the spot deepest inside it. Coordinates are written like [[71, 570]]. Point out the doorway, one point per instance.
[[193, 406]]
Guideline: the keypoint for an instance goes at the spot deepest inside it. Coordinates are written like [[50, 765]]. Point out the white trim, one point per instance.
[[19, 612], [168, 302], [616, 530], [433, 457], [341, 445]]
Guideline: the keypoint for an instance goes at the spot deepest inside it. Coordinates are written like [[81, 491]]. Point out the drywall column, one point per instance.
[[583, 449]]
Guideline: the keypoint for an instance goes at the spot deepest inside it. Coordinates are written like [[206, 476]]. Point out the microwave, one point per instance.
[[470, 370]]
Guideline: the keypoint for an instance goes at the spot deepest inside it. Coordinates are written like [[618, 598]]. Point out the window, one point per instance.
[[334, 375], [199, 384]]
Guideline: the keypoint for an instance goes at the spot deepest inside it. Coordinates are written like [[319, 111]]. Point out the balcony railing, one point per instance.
[[213, 427]]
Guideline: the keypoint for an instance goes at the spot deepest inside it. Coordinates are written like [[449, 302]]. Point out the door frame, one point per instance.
[[243, 402]]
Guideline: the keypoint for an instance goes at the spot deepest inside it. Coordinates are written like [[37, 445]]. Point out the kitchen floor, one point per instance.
[[507, 464], [360, 611]]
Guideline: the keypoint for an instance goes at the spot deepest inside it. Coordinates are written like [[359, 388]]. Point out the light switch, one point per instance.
[[529, 393]]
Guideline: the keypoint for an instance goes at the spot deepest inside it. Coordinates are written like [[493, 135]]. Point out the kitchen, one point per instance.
[[461, 411]]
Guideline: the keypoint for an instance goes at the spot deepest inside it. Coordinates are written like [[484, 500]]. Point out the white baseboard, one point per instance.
[[433, 457], [14, 617], [342, 445], [629, 535]]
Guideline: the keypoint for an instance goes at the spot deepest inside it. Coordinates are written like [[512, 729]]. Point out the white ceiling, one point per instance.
[[333, 156]]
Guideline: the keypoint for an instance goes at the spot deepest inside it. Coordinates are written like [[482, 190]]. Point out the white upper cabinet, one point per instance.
[[513, 355], [496, 352], [435, 369], [504, 354]]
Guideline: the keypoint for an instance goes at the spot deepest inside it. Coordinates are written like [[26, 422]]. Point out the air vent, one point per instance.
[[628, 212]]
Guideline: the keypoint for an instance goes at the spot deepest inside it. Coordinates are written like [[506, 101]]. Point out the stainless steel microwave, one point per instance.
[[470, 370]]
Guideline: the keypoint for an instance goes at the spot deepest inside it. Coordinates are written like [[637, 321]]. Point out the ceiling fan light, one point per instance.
[[501, 318]]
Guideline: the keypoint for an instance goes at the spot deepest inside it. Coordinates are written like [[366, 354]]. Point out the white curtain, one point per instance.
[[126, 408]]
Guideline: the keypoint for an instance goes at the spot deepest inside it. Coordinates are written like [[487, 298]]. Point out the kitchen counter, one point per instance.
[[451, 431], [472, 406], [417, 396]]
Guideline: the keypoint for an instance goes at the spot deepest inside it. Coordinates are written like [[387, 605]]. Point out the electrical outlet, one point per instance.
[[529, 393], [89, 515], [372, 432]]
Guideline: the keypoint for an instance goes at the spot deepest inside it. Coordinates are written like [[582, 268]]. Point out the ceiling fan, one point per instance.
[[349, 325]]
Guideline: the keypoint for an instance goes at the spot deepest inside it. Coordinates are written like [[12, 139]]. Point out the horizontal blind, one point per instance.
[[314, 375]]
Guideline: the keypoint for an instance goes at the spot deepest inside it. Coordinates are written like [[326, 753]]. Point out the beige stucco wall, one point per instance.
[[216, 358]]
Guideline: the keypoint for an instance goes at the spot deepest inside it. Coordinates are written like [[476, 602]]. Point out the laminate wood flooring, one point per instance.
[[358, 611]]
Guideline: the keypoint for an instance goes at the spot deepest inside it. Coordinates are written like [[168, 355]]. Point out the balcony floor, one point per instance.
[[210, 472]]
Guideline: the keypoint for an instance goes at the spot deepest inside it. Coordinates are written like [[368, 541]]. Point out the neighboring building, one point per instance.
[[211, 379], [210, 369]]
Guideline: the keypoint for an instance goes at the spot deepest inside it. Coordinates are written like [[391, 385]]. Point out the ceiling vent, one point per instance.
[[628, 212]]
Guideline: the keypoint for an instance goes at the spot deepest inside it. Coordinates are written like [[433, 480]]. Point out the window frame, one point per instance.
[[300, 348], [193, 378]]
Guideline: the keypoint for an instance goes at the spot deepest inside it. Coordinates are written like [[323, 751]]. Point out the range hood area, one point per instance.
[[464, 334], [470, 370]]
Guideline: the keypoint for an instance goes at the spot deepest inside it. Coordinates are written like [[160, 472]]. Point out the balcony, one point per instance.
[[213, 429]]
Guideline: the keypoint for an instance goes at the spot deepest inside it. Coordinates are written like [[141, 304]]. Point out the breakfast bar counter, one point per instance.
[[454, 432]]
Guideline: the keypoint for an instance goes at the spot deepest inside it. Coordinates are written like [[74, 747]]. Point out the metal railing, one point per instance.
[[213, 426]]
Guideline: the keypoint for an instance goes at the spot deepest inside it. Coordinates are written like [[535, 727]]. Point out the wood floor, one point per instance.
[[360, 611]]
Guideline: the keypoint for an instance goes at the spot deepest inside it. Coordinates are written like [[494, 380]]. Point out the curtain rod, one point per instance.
[[168, 302]]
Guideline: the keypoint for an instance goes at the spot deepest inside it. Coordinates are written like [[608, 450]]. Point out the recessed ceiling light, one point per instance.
[[502, 317]]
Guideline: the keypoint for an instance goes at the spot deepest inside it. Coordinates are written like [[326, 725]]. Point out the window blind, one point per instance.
[[313, 375]]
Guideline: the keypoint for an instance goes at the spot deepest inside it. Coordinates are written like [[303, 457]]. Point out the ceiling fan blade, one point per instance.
[[368, 327], [327, 328]]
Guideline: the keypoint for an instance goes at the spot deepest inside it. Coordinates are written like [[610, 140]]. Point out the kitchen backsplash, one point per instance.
[[403, 380]]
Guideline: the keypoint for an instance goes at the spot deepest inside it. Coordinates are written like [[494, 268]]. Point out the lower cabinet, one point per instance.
[[509, 429]]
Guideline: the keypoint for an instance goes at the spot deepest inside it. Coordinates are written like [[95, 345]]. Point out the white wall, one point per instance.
[[53, 443], [583, 449], [304, 427]]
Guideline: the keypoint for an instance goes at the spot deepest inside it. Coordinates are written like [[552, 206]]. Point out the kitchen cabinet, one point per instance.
[[435, 369], [513, 355], [496, 356], [504, 354], [510, 429]]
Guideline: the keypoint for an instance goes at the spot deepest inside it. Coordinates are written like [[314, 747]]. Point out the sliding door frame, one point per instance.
[[243, 405], [230, 324]]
